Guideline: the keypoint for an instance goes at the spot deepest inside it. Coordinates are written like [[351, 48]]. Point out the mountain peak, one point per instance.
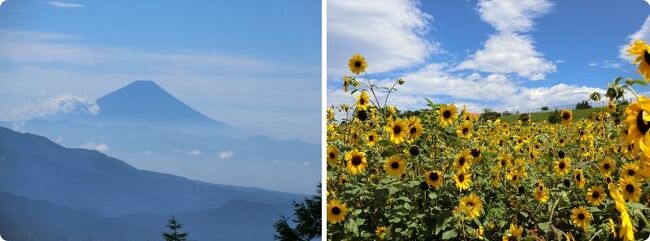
[[145, 100]]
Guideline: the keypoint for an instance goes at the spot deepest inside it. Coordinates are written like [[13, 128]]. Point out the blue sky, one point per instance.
[[500, 54], [252, 64]]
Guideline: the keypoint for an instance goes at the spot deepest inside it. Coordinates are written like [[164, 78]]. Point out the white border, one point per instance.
[[323, 119]]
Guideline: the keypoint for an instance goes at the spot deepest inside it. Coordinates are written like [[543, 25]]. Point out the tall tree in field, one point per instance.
[[307, 216], [174, 233]]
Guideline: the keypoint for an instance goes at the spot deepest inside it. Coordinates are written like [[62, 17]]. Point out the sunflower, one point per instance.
[[637, 116], [336, 211], [629, 170], [462, 180], [630, 188], [562, 166], [579, 178], [464, 130], [415, 127], [471, 205], [595, 195], [357, 64], [332, 155], [397, 130], [514, 233], [607, 166], [447, 114], [581, 217], [612, 227], [569, 237], [395, 166], [639, 50], [356, 161], [541, 193], [462, 162], [381, 232], [566, 116], [372, 138], [363, 101], [433, 178], [627, 229]]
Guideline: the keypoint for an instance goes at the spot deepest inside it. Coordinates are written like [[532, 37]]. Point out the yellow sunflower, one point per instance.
[[471, 205], [514, 233], [629, 170], [462, 180], [381, 232], [630, 188], [356, 161], [562, 166], [372, 138], [566, 116], [595, 195], [395, 166], [639, 50], [447, 114], [363, 101], [357, 64], [433, 178], [581, 217], [627, 229], [607, 166], [637, 116], [415, 127], [397, 130], [464, 130], [336, 211], [462, 162], [541, 193], [332, 155], [579, 178]]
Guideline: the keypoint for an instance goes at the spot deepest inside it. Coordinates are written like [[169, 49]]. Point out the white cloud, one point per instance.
[[390, 35], [225, 155], [61, 104], [509, 50], [513, 15], [1, 2], [506, 53], [606, 64], [61, 4], [560, 95], [643, 33], [100, 147], [194, 152]]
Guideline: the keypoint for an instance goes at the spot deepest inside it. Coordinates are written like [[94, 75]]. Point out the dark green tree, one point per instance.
[[307, 216], [174, 233]]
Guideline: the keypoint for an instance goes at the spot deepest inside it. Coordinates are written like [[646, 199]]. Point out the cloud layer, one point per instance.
[[58, 105]]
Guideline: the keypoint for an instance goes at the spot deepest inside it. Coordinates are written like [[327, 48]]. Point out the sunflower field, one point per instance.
[[443, 173]]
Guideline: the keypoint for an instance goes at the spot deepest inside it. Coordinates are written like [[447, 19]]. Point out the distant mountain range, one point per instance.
[[51, 193], [150, 129]]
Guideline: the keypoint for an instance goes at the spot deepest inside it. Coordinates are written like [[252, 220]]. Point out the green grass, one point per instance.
[[542, 116]]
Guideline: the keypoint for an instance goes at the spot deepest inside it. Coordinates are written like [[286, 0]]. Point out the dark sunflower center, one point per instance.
[[356, 160], [566, 115], [512, 238], [595, 194], [397, 130], [446, 114], [357, 64], [646, 56], [629, 188], [606, 166], [503, 162], [470, 204], [461, 161], [630, 172], [578, 177], [465, 130], [394, 165], [434, 176], [461, 178], [640, 123], [561, 154], [581, 216], [414, 150], [371, 138], [362, 101], [561, 165], [332, 155], [413, 130], [476, 152], [336, 210]]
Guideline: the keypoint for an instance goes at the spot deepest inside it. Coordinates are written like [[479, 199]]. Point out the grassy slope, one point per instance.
[[540, 116]]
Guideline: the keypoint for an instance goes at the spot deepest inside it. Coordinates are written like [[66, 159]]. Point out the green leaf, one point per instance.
[[544, 226], [639, 82], [449, 234]]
